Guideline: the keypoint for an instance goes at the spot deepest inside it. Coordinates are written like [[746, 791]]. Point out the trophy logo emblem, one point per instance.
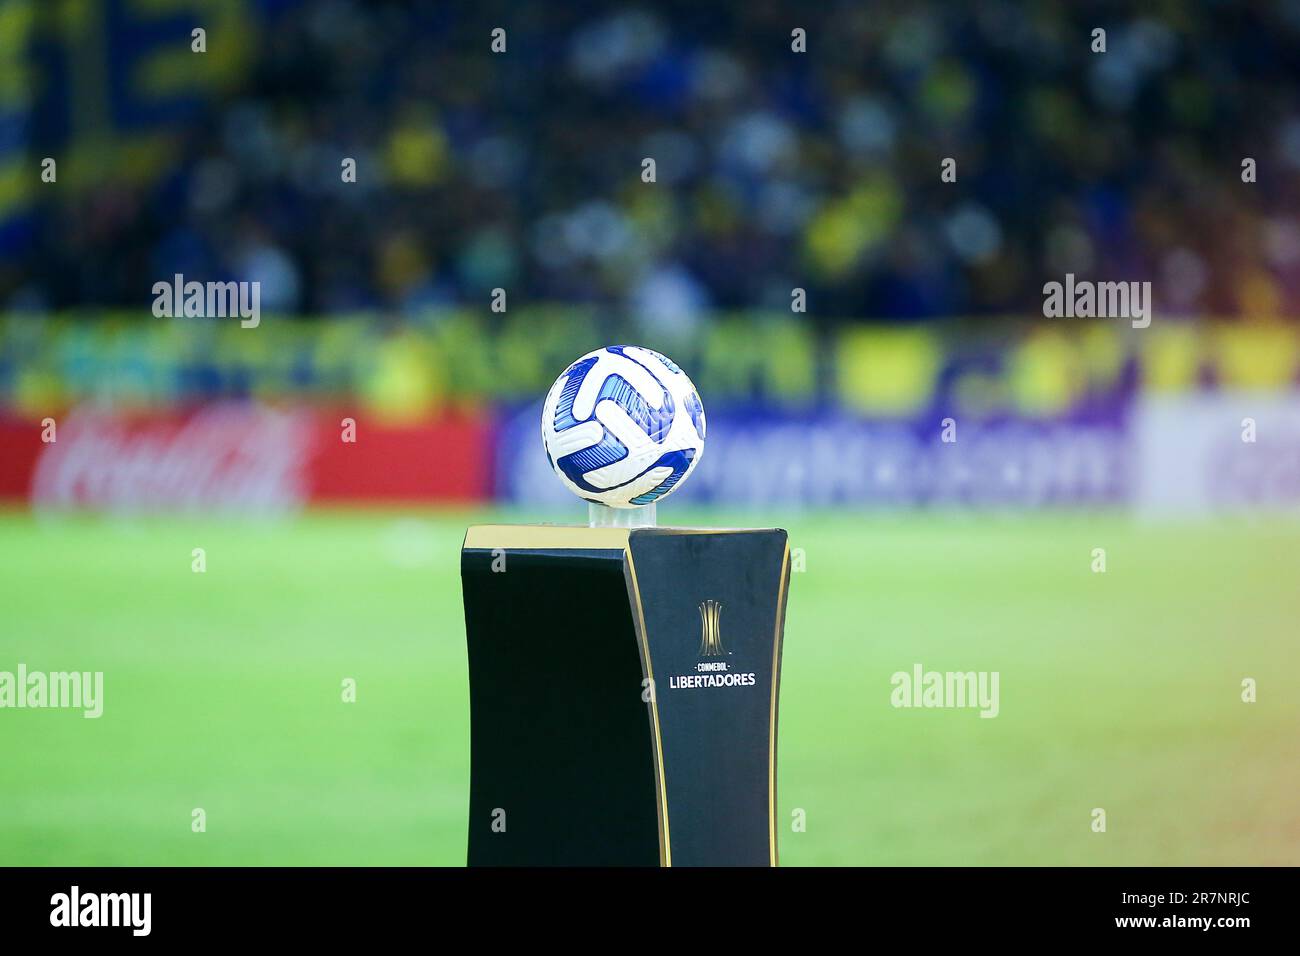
[[711, 630]]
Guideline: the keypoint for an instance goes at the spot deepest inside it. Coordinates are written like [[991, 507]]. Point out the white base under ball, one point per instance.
[[603, 516]]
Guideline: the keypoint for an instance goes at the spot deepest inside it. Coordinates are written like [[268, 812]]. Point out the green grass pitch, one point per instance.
[[1119, 691]]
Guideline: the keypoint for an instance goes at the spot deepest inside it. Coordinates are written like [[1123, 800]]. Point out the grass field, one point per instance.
[[1119, 690]]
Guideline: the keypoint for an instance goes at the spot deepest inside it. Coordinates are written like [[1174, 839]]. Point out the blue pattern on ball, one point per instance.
[[679, 461], [695, 408]]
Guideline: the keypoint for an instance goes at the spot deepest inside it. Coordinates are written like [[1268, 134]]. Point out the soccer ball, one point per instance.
[[623, 426]]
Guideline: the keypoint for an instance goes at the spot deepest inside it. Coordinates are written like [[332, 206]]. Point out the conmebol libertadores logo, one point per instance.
[[711, 673]]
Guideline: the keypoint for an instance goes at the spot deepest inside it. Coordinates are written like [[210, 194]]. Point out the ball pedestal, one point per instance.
[[603, 516], [623, 694]]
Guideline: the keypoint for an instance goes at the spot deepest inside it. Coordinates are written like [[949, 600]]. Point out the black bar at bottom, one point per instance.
[[368, 905]]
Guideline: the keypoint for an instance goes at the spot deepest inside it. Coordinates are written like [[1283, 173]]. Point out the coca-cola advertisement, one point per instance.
[[239, 457]]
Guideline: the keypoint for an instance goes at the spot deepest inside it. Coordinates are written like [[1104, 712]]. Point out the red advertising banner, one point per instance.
[[241, 457]]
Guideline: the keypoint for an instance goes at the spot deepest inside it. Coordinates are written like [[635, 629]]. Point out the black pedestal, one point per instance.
[[623, 694]]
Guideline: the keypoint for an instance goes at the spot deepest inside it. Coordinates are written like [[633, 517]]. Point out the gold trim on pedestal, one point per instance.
[[545, 537], [776, 679]]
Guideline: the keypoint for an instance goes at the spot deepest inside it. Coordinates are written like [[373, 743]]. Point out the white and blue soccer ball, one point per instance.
[[623, 426]]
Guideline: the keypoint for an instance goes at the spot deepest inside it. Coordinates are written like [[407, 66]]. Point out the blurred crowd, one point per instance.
[[774, 169]]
